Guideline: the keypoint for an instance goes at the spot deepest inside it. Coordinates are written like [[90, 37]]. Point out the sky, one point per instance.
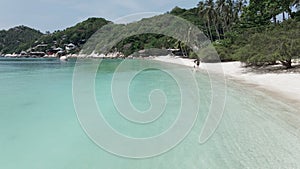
[[51, 15]]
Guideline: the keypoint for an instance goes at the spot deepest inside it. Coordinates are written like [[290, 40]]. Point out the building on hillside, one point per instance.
[[70, 47]]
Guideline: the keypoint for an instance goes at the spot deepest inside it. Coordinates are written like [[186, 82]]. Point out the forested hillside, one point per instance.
[[77, 34], [255, 32], [17, 39], [22, 38]]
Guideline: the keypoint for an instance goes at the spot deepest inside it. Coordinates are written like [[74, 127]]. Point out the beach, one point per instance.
[[282, 85]]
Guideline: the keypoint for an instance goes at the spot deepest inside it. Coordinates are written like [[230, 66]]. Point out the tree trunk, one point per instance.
[[283, 16], [209, 30], [223, 32], [290, 12], [226, 26], [275, 20], [217, 31]]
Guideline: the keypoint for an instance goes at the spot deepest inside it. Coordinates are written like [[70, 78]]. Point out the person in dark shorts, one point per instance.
[[197, 62]]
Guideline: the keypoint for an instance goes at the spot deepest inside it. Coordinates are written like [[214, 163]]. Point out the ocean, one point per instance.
[[40, 126]]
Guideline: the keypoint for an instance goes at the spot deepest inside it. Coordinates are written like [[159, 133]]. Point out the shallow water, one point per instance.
[[39, 126]]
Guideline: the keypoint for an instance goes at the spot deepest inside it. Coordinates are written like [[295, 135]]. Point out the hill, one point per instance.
[[76, 35], [22, 38], [17, 39], [137, 43]]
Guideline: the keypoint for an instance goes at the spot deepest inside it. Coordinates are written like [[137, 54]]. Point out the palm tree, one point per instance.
[[221, 11], [207, 11], [296, 3], [204, 14], [220, 15], [224, 13], [229, 12], [238, 8]]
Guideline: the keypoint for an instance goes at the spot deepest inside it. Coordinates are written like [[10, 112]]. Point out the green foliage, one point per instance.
[[225, 53], [144, 41], [209, 54], [259, 12], [256, 14], [281, 43], [22, 38], [17, 39], [77, 34], [191, 15], [145, 34], [297, 16]]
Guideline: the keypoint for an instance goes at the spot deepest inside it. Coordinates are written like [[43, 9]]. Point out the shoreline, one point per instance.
[[281, 86]]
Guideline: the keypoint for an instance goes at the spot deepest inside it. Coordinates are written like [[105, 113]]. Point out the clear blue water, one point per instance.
[[39, 126]]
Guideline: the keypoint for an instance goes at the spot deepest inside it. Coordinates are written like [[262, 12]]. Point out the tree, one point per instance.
[[18, 39], [256, 14], [277, 44], [228, 12], [207, 11]]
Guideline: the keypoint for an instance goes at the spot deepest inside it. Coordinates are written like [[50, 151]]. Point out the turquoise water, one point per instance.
[[39, 126]]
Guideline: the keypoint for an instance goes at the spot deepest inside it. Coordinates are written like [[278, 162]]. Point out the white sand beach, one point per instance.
[[285, 85]]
